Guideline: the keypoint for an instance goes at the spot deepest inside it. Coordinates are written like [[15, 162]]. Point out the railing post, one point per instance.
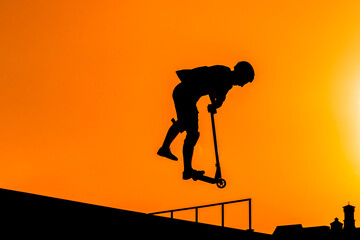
[[172, 214], [222, 215], [196, 215], [250, 214]]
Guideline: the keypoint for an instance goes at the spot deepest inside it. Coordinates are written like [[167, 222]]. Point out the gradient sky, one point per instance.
[[85, 102]]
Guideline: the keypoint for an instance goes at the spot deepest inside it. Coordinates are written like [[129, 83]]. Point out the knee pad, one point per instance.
[[192, 138]]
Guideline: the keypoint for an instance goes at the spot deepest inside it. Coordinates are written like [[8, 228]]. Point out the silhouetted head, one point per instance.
[[244, 73]]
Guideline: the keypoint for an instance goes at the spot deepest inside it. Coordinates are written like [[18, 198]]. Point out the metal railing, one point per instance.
[[209, 205]]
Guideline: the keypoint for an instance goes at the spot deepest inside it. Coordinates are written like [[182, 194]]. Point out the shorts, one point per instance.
[[186, 110]]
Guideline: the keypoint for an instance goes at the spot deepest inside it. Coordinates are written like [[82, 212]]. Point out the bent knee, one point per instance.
[[179, 125], [192, 137]]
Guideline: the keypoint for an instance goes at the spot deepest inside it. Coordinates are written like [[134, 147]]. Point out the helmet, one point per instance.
[[245, 72]]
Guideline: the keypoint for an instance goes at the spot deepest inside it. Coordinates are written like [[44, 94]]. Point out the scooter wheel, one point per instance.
[[221, 183]]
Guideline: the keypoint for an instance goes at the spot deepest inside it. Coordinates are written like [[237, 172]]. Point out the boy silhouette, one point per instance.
[[214, 81]]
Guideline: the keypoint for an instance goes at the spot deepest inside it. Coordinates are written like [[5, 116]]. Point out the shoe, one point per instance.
[[165, 152], [194, 174]]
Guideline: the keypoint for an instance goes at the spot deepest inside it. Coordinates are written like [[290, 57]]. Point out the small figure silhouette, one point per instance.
[[214, 81]]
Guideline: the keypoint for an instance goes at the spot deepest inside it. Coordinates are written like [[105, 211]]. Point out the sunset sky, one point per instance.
[[85, 103]]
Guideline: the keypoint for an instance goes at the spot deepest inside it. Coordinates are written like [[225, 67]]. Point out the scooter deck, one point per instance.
[[221, 183], [207, 179]]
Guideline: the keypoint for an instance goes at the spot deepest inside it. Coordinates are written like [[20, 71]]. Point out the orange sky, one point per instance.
[[85, 99]]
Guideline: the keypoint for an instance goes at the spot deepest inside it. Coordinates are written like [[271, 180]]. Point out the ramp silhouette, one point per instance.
[[24, 215]]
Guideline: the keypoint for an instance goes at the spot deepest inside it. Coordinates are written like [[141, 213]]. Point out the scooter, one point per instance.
[[220, 182]]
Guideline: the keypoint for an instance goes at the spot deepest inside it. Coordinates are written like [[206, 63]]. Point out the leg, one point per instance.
[[173, 131], [188, 149], [189, 122]]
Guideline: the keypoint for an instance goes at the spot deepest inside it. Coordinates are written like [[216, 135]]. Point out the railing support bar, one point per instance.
[[196, 215], [222, 215], [210, 205], [250, 214]]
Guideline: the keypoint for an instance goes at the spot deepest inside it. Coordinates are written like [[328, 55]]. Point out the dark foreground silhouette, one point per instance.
[[214, 81], [29, 215]]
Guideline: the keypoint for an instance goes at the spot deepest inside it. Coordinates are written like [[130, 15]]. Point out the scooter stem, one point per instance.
[[215, 141], [221, 183]]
